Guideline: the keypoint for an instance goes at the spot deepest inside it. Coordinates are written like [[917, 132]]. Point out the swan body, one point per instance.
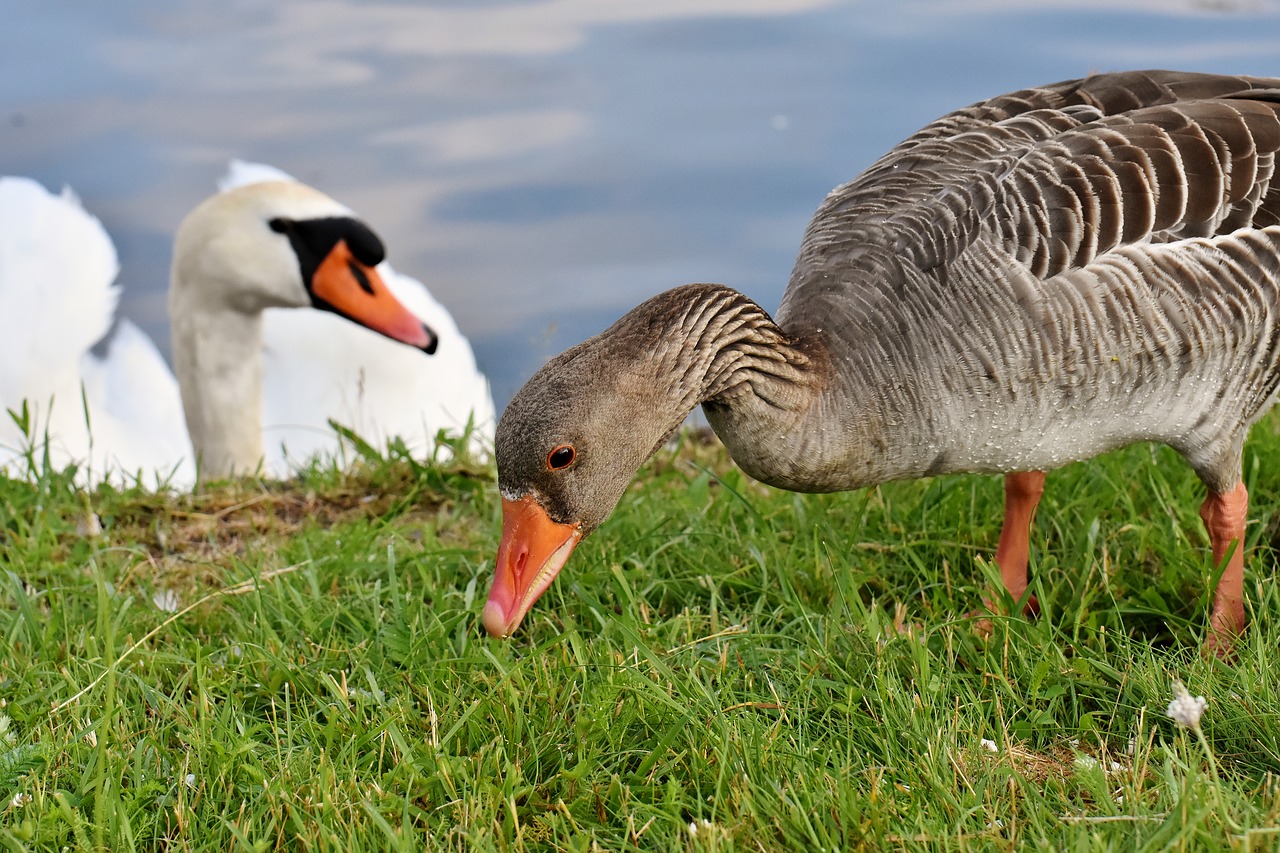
[[259, 384], [1029, 281], [58, 299]]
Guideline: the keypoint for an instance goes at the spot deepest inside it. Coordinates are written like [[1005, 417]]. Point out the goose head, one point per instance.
[[575, 435], [558, 479], [281, 244]]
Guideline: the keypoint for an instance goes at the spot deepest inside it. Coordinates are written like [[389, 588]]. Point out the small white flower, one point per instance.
[[89, 525], [988, 745], [696, 826], [1185, 709], [166, 600], [19, 800]]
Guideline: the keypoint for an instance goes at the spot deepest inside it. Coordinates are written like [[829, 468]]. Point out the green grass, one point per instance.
[[776, 671]]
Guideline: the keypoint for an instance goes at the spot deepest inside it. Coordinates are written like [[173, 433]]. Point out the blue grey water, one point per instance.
[[542, 166]]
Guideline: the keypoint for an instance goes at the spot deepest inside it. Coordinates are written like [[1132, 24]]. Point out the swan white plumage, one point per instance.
[[53, 255], [57, 301]]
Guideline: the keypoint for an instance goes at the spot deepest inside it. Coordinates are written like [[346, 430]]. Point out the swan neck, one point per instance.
[[216, 355]]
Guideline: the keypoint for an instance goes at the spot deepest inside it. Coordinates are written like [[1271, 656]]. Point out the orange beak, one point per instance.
[[533, 550], [357, 292]]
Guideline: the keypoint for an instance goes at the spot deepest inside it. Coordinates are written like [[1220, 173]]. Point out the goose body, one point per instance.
[[1029, 281], [258, 386]]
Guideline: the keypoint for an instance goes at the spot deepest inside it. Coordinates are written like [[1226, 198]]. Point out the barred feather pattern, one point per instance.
[[736, 345], [1052, 274]]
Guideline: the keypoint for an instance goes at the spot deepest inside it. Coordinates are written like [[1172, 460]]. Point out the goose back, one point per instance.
[[1051, 274]]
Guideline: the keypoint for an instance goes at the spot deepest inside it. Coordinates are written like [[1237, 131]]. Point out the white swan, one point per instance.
[[57, 299], [317, 366]]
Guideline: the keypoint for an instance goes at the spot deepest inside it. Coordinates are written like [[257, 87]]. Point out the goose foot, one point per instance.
[[1224, 517], [1224, 630], [984, 626], [1022, 491]]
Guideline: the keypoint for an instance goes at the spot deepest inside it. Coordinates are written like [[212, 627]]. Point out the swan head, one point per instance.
[[282, 244]]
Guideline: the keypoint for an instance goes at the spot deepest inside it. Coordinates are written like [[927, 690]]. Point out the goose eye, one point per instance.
[[561, 457]]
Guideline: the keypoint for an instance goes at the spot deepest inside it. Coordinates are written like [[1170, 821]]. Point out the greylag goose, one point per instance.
[[1029, 281]]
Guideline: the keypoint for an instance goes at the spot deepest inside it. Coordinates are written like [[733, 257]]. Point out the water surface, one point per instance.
[[543, 166]]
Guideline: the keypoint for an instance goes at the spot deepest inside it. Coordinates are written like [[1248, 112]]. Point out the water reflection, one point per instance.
[[543, 166]]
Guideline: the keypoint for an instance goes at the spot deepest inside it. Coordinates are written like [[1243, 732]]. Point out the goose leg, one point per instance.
[[1224, 517], [1022, 491]]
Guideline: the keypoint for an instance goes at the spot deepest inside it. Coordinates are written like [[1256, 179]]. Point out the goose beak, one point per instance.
[[356, 291], [532, 552]]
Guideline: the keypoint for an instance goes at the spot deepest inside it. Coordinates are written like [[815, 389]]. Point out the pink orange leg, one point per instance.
[[1224, 516], [1022, 491]]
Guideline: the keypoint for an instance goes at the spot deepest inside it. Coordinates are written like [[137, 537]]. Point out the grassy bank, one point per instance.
[[721, 667]]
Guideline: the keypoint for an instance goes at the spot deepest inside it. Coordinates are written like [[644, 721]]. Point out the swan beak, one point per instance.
[[356, 291], [532, 552]]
